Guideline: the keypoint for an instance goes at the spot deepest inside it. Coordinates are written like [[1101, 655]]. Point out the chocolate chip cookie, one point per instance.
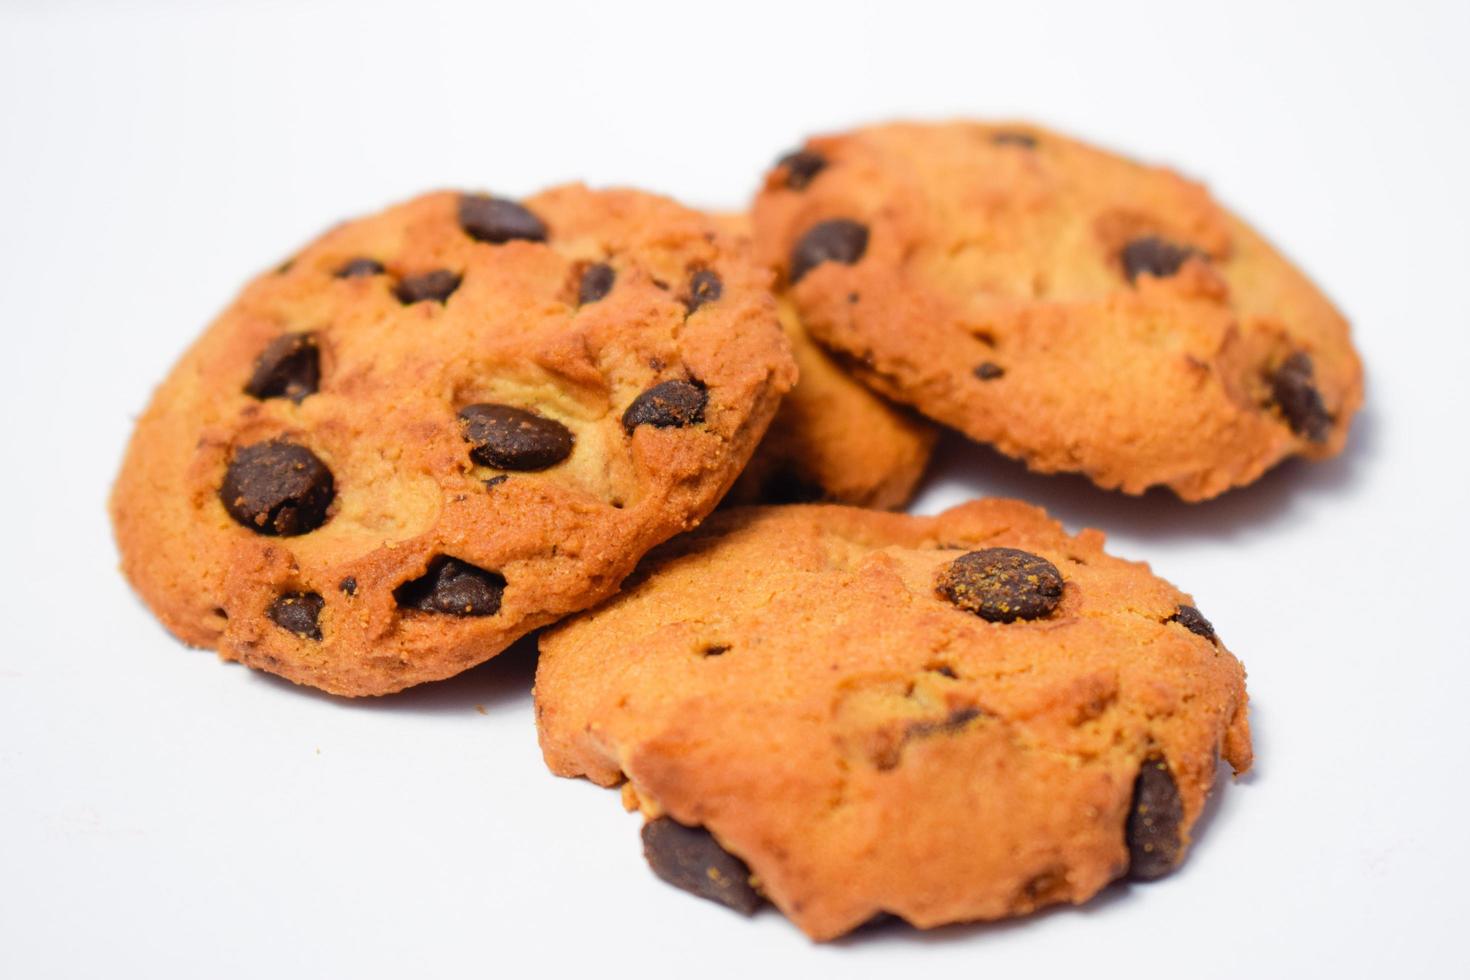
[[848, 712], [833, 439], [443, 426], [1077, 310]]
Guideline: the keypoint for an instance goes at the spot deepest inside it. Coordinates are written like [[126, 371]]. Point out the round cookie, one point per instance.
[[443, 426], [833, 439], [1077, 310], [850, 713]]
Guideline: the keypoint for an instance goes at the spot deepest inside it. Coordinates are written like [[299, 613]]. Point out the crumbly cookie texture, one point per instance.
[[443, 426], [951, 718], [1077, 310], [833, 439]]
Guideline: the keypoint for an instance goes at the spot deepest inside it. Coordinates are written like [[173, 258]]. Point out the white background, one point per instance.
[[164, 815]]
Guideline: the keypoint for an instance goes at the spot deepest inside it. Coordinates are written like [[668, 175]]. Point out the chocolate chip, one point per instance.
[[957, 719], [1191, 619], [989, 371], [497, 220], [277, 488], [437, 285], [348, 585], [453, 587], [496, 481], [1154, 816], [1010, 137], [360, 268], [597, 282], [289, 367], [838, 240], [510, 438], [1154, 256], [704, 287], [297, 612], [1295, 391], [801, 166], [1002, 584], [671, 404], [690, 858]]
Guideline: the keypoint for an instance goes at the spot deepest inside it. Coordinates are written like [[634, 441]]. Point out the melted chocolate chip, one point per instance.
[[348, 585], [509, 438], [1154, 256], [497, 220], [989, 371], [597, 282], [360, 269], [1191, 619], [801, 166], [671, 404], [277, 488], [957, 719], [1294, 390], [704, 287], [1011, 137], [297, 612], [690, 858], [289, 367], [438, 286], [838, 240], [1002, 584], [454, 588], [1152, 829]]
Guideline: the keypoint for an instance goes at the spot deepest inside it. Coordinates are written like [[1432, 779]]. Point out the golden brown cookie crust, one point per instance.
[[833, 438], [993, 293], [393, 375], [793, 680]]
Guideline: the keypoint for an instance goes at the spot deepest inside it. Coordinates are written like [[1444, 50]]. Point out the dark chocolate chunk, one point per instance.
[[1011, 137], [838, 240], [497, 220], [453, 587], [690, 858], [1295, 392], [1002, 584], [989, 371], [1191, 619], [348, 585], [289, 367], [360, 269], [510, 438], [597, 282], [297, 612], [801, 166], [704, 287], [1154, 256], [667, 405], [277, 488], [438, 286], [1154, 816]]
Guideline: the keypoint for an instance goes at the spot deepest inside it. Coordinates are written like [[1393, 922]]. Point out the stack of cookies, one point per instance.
[[438, 429]]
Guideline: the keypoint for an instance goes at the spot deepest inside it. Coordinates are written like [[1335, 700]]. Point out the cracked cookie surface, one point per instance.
[[951, 718], [1075, 309], [440, 427]]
